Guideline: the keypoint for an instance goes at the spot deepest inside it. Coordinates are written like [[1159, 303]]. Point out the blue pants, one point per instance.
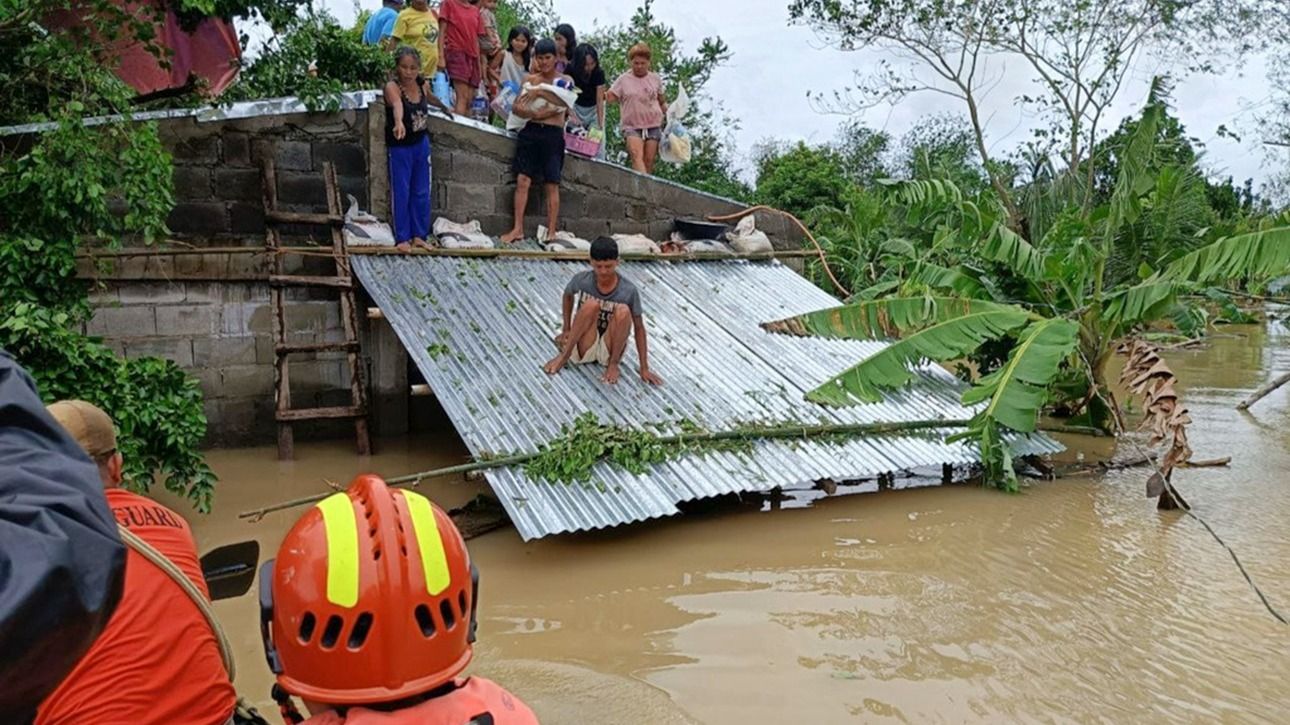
[[410, 190]]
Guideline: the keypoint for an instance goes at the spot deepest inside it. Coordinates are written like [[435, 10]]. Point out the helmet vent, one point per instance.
[[424, 620], [358, 635], [445, 609], [307, 624], [331, 632], [461, 601]]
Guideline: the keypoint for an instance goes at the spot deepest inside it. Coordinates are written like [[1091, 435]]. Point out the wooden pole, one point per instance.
[[1262, 392]]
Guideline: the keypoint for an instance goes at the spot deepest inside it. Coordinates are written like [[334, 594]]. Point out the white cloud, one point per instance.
[[775, 64]]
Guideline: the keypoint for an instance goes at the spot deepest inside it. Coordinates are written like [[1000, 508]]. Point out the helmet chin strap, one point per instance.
[[286, 706]]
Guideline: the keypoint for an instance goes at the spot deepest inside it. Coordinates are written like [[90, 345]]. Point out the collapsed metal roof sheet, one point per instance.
[[481, 329]]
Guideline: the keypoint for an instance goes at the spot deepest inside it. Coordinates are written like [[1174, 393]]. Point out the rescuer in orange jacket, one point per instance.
[[368, 615]]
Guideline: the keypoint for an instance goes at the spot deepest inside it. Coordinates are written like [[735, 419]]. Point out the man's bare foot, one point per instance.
[[403, 247], [553, 366], [611, 375], [419, 242], [512, 236]]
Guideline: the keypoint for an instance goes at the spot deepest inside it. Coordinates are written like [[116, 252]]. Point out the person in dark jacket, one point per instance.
[[62, 563]]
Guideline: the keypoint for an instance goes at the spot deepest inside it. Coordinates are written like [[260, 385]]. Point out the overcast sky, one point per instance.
[[774, 64]]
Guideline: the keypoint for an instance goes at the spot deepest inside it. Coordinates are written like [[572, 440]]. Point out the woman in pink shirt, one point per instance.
[[640, 93]]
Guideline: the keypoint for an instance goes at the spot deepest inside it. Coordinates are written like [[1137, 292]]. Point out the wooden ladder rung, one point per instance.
[[287, 349], [352, 411], [291, 280], [275, 216]]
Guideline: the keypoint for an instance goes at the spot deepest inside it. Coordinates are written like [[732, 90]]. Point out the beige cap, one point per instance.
[[88, 424]]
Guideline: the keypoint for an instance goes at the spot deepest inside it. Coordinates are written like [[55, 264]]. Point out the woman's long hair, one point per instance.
[[578, 64], [517, 31], [565, 30]]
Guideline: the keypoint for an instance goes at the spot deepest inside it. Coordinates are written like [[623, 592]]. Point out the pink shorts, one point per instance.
[[462, 67]]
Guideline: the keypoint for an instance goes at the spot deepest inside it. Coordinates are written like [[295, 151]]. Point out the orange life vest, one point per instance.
[[476, 701]]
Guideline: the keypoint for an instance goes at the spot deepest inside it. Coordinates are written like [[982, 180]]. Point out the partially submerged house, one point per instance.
[[477, 330]]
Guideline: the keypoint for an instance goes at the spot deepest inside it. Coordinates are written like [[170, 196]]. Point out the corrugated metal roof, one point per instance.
[[481, 329]]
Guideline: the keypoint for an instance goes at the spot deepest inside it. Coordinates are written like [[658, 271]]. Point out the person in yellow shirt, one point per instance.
[[418, 26]]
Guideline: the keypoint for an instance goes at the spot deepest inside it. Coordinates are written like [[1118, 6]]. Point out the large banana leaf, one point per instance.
[[877, 319], [1140, 303], [918, 192], [889, 368], [1008, 248], [1257, 255], [960, 281], [1017, 391]]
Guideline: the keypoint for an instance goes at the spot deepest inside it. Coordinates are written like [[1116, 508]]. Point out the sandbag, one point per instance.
[[561, 241], [706, 246], [636, 244], [452, 235], [364, 230], [747, 239]]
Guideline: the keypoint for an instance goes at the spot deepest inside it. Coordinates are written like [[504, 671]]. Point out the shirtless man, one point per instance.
[[539, 149], [609, 309]]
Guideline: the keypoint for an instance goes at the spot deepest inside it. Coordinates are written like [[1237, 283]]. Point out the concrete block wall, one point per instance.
[[209, 311], [218, 191], [221, 333]]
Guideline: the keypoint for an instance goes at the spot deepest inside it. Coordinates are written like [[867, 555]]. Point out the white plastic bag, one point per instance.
[[452, 235], [676, 147], [506, 96], [636, 244], [364, 230], [746, 239]]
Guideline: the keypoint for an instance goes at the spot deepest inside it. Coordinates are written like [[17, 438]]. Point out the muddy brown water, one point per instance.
[[1074, 601]]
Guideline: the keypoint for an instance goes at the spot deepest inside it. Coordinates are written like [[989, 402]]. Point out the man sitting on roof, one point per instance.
[[609, 309]]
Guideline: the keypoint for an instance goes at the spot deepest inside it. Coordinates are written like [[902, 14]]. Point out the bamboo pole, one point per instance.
[[775, 432], [572, 256]]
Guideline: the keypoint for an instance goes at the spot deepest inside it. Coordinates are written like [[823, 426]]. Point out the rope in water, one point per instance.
[[1259, 592], [1236, 559]]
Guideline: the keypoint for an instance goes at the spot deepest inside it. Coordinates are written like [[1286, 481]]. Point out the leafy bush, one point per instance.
[[78, 182], [343, 63]]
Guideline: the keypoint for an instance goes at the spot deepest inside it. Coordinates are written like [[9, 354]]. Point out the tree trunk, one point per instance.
[[1262, 392]]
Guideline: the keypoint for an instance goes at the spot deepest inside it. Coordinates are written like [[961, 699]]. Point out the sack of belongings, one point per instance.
[[635, 244], [561, 241], [364, 230], [706, 246], [562, 91], [676, 147], [452, 235], [746, 239]]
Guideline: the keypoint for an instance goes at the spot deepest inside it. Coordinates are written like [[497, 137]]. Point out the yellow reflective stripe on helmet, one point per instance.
[[341, 525], [433, 558]]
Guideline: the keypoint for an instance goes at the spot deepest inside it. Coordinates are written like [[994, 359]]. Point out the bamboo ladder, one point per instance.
[[343, 282]]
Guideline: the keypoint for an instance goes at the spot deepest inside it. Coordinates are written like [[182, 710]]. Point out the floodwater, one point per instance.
[[1073, 601]]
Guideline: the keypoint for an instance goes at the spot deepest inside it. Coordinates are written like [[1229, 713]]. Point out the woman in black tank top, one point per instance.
[[407, 105]]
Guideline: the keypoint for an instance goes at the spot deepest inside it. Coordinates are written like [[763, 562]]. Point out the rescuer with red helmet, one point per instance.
[[368, 615]]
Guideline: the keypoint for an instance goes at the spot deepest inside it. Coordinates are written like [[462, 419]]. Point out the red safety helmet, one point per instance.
[[371, 598]]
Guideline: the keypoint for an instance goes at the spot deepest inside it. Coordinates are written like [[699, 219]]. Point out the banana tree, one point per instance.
[[1051, 304]]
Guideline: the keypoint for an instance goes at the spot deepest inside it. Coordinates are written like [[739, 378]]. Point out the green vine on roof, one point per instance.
[[571, 457]]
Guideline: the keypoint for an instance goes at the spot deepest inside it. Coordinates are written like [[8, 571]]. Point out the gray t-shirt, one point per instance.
[[583, 285]]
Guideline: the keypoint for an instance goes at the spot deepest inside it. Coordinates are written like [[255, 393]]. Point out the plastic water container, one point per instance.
[[442, 88], [479, 106]]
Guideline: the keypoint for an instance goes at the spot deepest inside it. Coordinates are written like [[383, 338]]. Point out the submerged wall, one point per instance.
[[208, 309]]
